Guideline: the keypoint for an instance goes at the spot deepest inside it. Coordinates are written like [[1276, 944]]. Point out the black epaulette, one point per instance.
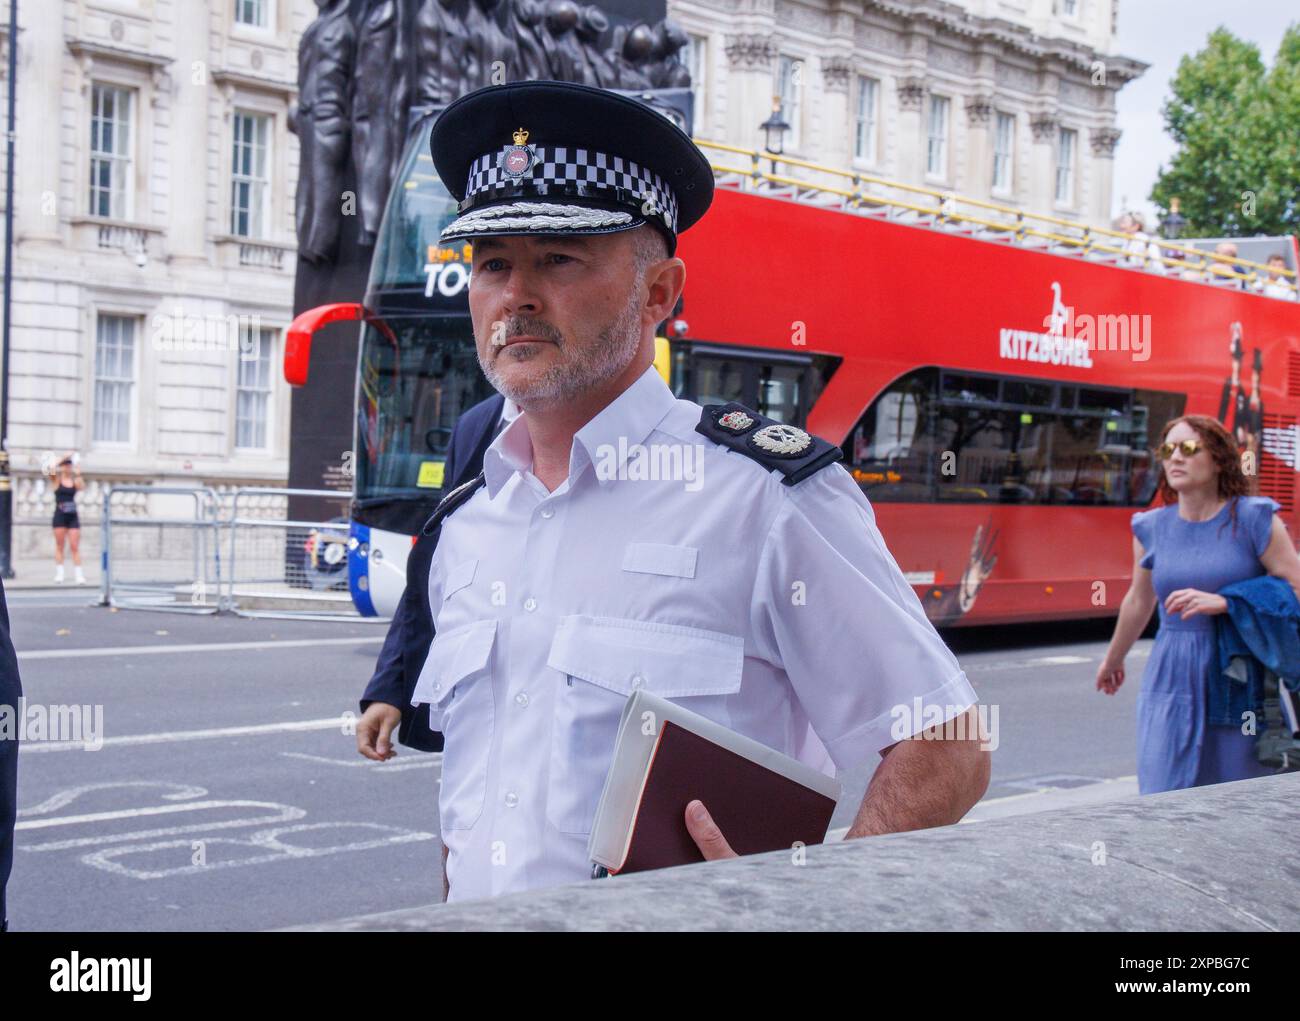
[[451, 501], [793, 452]]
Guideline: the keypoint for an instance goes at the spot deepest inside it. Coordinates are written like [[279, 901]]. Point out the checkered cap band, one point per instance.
[[562, 166]]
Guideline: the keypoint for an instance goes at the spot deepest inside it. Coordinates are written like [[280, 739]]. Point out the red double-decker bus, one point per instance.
[[997, 404], [996, 401]]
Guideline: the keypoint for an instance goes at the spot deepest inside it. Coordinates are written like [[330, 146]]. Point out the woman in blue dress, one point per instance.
[[1209, 535]]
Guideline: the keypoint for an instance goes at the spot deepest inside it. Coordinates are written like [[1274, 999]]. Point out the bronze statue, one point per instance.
[[378, 105], [567, 63], [325, 61], [493, 58], [666, 69], [363, 64], [592, 25], [531, 40], [629, 53], [432, 37]]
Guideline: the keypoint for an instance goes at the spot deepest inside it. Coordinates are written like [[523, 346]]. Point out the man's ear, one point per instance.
[[664, 283]]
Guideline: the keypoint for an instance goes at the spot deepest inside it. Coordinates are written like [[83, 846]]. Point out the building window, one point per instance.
[[114, 378], [1004, 135], [253, 388], [697, 49], [250, 190], [865, 128], [1066, 146], [110, 152], [1070, 8], [789, 84], [253, 12], [936, 158]]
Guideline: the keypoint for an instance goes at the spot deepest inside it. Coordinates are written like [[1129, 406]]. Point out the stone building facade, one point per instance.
[[1006, 101], [154, 245]]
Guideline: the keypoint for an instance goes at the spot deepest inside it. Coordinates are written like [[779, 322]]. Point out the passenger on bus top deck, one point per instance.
[[619, 539], [1276, 285]]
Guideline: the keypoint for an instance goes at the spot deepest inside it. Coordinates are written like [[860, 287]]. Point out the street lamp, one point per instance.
[[1173, 224], [774, 129]]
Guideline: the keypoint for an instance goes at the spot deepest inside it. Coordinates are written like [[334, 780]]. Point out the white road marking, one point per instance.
[[1057, 660], [136, 813], [266, 841], [65, 797], [165, 737], [424, 762], [283, 813], [153, 650]]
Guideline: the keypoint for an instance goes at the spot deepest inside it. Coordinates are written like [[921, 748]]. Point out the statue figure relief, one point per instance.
[[325, 61], [378, 105]]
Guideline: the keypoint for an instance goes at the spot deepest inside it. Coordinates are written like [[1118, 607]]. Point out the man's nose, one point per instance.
[[520, 294]]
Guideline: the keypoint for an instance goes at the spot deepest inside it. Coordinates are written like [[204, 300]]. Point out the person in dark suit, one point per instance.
[[386, 702], [11, 689]]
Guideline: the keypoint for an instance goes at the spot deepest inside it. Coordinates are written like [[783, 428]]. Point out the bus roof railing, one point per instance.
[[946, 210]]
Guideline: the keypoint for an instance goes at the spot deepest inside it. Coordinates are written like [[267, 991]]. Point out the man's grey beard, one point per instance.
[[589, 368]]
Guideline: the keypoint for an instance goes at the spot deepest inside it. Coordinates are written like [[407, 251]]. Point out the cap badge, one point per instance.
[[735, 421], [783, 440], [517, 159]]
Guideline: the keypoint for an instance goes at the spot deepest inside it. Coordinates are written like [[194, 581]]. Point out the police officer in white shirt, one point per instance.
[[619, 538]]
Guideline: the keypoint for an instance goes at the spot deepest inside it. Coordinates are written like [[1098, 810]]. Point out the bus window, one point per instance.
[[780, 386], [889, 451], [778, 392], [417, 375], [933, 435], [718, 380]]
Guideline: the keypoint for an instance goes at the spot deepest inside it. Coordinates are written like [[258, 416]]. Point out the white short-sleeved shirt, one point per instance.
[[775, 610]]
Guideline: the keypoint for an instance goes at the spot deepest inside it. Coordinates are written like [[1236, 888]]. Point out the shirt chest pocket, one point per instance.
[[600, 661], [459, 576], [456, 681]]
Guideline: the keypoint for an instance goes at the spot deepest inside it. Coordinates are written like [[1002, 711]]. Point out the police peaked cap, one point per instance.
[[548, 157]]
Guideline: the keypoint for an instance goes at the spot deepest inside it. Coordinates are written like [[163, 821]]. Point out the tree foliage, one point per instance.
[[1237, 125]]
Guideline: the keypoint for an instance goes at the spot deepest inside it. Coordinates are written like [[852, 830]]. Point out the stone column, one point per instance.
[[1103, 170], [751, 58], [192, 91], [39, 202], [979, 146], [1042, 163], [911, 129], [836, 148]]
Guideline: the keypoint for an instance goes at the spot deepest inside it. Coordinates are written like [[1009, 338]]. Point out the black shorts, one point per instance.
[[64, 519]]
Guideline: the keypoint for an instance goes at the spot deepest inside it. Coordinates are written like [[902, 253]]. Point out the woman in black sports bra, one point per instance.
[[67, 480]]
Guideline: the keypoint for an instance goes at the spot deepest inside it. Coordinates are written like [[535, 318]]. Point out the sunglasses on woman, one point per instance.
[[1188, 447]]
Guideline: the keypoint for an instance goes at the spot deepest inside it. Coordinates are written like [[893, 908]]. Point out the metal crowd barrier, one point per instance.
[[166, 563], [282, 567], [239, 561]]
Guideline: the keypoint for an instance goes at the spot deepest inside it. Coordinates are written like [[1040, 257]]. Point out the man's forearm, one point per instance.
[[446, 887], [922, 784]]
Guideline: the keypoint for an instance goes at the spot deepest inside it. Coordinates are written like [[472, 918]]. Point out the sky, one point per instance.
[[1160, 33]]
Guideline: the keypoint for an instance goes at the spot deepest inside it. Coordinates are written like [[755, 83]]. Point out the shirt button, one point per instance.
[[637, 681], [512, 799], [530, 604], [437, 688], [548, 512], [521, 699]]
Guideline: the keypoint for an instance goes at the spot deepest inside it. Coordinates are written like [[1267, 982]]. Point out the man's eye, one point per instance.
[[490, 265], [561, 256]]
